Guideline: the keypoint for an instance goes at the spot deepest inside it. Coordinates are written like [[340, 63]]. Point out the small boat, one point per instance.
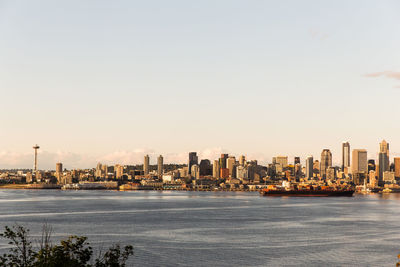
[[387, 190]]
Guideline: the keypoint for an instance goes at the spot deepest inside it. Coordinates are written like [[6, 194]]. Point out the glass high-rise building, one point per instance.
[[383, 158], [345, 155], [309, 167], [326, 161], [146, 164], [160, 166], [193, 160]]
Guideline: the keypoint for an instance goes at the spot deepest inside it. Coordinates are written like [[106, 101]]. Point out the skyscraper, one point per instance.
[[216, 169], [193, 160], [384, 147], [242, 160], [326, 161], [160, 166], [282, 160], [345, 155], [396, 167], [230, 165], [309, 167], [205, 167], [383, 158], [59, 167], [98, 170], [146, 164], [296, 160], [222, 161], [359, 163]]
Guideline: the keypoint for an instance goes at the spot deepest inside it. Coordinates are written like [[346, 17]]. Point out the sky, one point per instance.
[[111, 81]]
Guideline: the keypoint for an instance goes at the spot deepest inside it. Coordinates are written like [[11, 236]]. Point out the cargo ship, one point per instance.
[[308, 191]]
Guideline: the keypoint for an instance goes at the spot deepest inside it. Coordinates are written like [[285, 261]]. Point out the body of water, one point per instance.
[[218, 228]]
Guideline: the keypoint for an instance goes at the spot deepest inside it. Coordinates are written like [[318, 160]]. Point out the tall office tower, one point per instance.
[[216, 169], [371, 165], [396, 167], [193, 160], [359, 163], [383, 158], [222, 161], [98, 170], [345, 155], [296, 160], [309, 167], [282, 160], [59, 171], [105, 170], [195, 172], [242, 160], [160, 166], [326, 161], [119, 171], [230, 164], [384, 147], [35, 147], [205, 167], [146, 164], [59, 167]]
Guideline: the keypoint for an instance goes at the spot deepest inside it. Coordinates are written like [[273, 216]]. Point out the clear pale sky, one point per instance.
[[110, 81]]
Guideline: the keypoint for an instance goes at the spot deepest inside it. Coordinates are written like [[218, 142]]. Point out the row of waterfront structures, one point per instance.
[[226, 172]]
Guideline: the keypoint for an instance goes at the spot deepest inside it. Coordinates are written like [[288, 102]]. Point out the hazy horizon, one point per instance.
[[99, 81]]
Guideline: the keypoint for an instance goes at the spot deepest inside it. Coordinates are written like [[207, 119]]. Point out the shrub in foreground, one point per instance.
[[75, 251]]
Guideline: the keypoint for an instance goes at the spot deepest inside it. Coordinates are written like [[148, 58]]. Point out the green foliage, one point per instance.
[[72, 252], [114, 257], [21, 253]]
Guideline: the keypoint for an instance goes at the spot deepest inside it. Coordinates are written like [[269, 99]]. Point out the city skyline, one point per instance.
[[260, 78], [152, 158]]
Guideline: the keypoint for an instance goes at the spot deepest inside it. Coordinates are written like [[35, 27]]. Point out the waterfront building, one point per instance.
[[160, 166], [326, 161], [216, 169], [309, 167], [345, 155], [146, 165], [396, 167], [193, 160], [372, 179], [388, 176], [28, 178], [359, 162]]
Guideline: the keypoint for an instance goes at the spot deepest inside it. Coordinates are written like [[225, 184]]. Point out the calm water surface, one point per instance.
[[218, 228]]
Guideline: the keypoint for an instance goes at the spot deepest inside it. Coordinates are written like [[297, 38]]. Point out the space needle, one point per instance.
[[35, 147]]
